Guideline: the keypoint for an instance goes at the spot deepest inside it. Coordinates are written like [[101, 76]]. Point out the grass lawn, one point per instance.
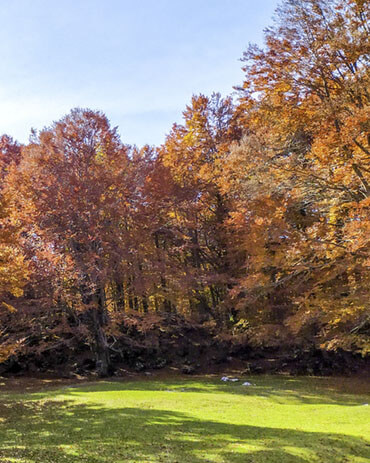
[[278, 419]]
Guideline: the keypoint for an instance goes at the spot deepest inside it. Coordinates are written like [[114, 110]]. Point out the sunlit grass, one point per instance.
[[275, 420]]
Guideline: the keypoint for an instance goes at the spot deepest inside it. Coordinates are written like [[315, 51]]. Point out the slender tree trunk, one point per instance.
[[145, 303], [167, 306], [213, 296], [120, 295]]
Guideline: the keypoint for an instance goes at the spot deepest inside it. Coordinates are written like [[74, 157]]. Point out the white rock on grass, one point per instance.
[[247, 383]]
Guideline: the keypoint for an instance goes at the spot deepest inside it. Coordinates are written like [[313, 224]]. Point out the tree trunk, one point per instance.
[[100, 347], [119, 295]]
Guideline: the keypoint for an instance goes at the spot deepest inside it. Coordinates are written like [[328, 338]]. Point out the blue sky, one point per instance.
[[139, 62]]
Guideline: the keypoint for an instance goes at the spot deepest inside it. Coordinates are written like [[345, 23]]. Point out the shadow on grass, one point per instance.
[[63, 431]]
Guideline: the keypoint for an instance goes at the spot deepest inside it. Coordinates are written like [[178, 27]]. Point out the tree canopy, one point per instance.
[[254, 213]]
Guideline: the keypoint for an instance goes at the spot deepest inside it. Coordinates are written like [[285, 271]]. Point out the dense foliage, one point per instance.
[[253, 214]]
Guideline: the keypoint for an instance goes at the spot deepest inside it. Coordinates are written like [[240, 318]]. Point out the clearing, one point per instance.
[[197, 420]]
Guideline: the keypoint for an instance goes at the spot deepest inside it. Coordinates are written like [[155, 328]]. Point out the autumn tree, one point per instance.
[[255, 214], [192, 154], [74, 198], [301, 175], [13, 267]]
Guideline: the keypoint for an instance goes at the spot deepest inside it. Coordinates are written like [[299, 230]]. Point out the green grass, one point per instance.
[[286, 420]]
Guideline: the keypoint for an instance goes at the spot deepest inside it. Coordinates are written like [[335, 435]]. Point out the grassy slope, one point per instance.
[[188, 421]]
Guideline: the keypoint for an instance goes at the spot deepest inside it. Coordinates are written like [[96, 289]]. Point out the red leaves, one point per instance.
[[274, 224]]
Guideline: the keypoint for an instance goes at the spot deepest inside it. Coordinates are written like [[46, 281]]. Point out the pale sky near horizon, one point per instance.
[[139, 62]]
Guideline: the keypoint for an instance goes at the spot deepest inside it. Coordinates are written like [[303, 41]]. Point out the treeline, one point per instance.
[[254, 214]]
